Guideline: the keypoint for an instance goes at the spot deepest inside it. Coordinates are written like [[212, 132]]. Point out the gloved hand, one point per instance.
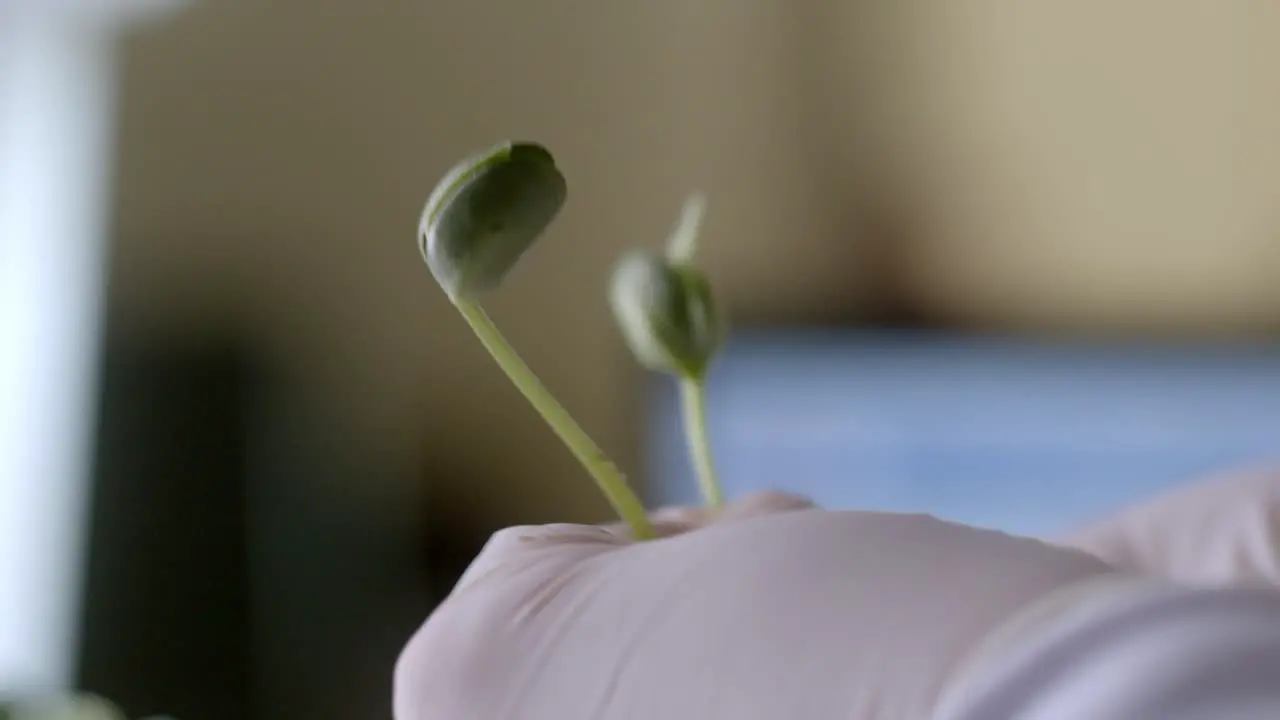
[[1199, 639], [1223, 530], [768, 609]]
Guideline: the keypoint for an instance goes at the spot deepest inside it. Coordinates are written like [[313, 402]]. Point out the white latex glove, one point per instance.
[[1223, 530], [770, 609], [1199, 640]]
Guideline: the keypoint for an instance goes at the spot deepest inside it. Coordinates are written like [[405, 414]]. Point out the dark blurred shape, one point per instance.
[[239, 566], [459, 523], [337, 573], [167, 616]]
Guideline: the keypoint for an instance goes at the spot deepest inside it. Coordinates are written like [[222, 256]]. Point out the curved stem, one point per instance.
[[608, 477], [693, 401]]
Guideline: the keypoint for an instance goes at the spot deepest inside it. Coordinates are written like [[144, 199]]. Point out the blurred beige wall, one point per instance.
[[1054, 165], [1097, 166]]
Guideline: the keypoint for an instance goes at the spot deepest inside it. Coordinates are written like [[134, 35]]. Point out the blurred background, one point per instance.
[[246, 444]]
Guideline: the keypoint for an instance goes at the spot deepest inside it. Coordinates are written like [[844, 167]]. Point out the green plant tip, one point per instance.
[[683, 245], [61, 707], [486, 212], [666, 313]]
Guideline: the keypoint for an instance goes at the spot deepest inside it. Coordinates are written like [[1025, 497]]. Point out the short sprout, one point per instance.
[[486, 212], [666, 313]]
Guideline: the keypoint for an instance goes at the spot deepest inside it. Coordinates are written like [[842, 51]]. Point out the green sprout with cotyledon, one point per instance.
[[484, 214], [481, 218], [491, 208]]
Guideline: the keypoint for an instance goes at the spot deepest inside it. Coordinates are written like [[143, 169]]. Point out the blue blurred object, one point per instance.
[[1027, 437]]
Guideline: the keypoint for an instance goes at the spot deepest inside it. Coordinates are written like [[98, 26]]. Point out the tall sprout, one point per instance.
[[482, 217]]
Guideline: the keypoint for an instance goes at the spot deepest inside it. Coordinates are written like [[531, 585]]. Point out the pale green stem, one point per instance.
[[606, 474], [693, 401]]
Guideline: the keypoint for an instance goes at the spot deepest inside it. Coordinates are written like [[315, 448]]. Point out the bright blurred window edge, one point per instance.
[[57, 65]]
